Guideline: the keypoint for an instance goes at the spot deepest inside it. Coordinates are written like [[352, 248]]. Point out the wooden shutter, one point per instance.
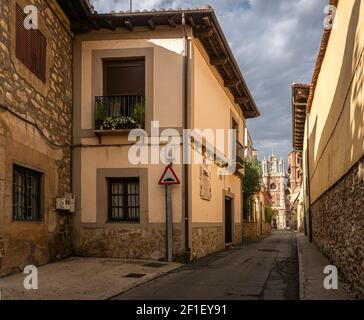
[[31, 46], [42, 57]]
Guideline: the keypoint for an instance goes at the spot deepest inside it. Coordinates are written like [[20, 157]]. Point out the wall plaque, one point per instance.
[[205, 182]]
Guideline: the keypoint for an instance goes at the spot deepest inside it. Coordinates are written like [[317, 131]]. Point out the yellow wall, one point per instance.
[[336, 121], [213, 109]]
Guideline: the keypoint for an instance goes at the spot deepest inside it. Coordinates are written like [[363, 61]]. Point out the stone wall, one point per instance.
[[207, 240], [35, 131], [338, 226], [238, 239], [267, 229], [146, 242], [251, 231], [2, 248]]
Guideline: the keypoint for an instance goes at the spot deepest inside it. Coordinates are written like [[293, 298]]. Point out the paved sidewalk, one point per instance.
[[84, 279], [311, 270]]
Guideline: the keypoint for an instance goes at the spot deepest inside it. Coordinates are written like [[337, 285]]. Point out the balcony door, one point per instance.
[[125, 77], [122, 105]]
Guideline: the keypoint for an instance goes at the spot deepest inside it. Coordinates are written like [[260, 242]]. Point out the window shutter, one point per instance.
[[31, 46], [42, 57]]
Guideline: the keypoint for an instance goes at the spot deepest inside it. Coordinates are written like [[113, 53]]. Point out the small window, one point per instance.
[[124, 200], [26, 194], [273, 186], [30, 46]]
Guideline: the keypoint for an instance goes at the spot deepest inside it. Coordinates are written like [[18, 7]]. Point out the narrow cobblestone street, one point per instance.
[[265, 269]]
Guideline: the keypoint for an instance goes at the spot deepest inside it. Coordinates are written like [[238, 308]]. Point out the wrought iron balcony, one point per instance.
[[240, 155], [119, 113]]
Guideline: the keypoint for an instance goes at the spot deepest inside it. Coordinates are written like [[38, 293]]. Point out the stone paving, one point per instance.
[[84, 279], [311, 265]]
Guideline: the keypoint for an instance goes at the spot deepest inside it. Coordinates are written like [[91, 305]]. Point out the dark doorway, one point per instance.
[[228, 221]]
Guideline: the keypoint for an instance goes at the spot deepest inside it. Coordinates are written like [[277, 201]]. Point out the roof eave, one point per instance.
[[198, 19]]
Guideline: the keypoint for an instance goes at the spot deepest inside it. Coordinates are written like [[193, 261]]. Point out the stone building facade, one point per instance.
[[35, 140], [274, 177], [295, 173], [300, 94]]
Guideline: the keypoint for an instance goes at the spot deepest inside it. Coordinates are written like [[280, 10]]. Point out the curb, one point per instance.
[[147, 280], [301, 270]]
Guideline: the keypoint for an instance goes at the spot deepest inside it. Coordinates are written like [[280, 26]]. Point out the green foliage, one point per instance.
[[138, 112], [252, 183], [248, 206], [253, 177], [269, 214], [101, 114]]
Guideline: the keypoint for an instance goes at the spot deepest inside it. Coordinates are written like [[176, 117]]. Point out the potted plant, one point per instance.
[[138, 113], [101, 116]]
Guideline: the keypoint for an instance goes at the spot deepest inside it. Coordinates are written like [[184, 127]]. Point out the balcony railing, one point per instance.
[[115, 113], [239, 154]]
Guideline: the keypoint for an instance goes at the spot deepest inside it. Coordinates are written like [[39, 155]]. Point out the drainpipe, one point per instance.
[[186, 56], [309, 180]]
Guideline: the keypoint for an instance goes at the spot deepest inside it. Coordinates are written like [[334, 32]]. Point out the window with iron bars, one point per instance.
[[26, 194]]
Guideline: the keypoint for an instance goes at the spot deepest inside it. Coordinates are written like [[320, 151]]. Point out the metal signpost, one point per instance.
[[168, 179]]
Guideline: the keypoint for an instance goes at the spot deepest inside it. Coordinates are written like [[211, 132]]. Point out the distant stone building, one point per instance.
[[300, 94], [274, 180], [295, 188], [294, 171]]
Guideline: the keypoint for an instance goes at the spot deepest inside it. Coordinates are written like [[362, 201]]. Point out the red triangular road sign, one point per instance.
[[169, 177]]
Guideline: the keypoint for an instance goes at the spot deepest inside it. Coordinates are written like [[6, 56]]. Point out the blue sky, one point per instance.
[[275, 43]]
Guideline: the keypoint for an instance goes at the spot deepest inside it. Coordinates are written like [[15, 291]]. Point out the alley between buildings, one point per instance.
[[262, 270]]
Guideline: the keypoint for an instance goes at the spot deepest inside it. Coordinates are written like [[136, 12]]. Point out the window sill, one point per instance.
[[133, 223], [27, 222], [113, 132]]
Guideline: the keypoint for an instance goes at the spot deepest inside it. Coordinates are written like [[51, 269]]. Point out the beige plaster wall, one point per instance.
[[164, 66], [166, 81], [212, 108], [116, 157]]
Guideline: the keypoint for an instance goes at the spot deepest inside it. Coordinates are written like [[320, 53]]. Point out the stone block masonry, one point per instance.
[[251, 231], [207, 240], [118, 241], [338, 226], [41, 142]]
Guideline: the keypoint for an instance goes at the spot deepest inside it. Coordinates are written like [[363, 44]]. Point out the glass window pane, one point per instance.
[[124, 207]]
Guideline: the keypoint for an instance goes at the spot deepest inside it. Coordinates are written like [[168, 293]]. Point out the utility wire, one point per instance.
[[44, 136]]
